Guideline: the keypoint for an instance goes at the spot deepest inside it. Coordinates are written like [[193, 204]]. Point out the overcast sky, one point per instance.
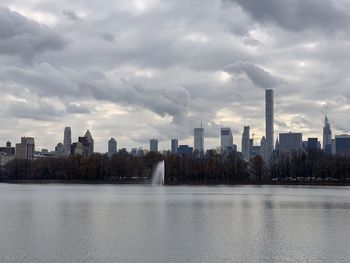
[[137, 70]]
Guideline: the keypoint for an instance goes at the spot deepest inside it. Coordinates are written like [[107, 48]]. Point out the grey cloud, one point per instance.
[[71, 15], [260, 77], [24, 37], [298, 15], [42, 111], [75, 108]]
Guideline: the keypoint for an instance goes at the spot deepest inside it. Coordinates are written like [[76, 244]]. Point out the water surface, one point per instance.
[[108, 223]]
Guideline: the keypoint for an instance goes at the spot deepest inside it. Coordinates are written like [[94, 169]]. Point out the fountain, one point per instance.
[[158, 174]]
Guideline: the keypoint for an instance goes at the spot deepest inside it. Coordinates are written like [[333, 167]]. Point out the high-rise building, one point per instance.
[[67, 140], [60, 150], [112, 147], [269, 126], [153, 145], [226, 139], [8, 150], [312, 144], [87, 143], [25, 149], [327, 136], [174, 146], [342, 144], [185, 150], [290, 142], [263, 148], [246, 143], [199, 140]]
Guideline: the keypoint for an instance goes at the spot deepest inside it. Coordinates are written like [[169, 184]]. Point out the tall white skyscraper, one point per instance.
[[226, 139], [67, 140], [199, 140], [246, 143], [269, 118], [112, 147]]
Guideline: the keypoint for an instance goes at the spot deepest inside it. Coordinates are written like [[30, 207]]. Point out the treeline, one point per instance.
[[301, 167], [98, 167]]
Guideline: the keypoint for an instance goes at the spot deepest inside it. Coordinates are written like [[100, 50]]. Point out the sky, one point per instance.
[[136, 70]]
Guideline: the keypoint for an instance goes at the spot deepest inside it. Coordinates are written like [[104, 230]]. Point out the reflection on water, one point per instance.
[[71, 223]]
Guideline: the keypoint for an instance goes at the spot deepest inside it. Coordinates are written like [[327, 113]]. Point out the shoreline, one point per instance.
[[100, 182]]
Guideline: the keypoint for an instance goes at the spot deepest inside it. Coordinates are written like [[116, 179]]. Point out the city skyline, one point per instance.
[[97, 67]]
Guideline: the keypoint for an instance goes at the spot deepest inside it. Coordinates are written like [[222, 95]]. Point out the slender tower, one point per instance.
[[67, 140], [269, 118], [327, 136]]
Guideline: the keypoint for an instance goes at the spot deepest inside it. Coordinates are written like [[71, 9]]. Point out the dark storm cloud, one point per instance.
[[260, 77], [298, 15], [24, 37]]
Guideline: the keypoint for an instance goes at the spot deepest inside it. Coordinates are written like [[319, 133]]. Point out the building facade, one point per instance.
[[342, 144], [269, 125], [226, 139], [290, 142], [327, 136], [174, 146], [246, 143], [67, 140], [112, 147], [26, 148], [87, 143], [199, 140], [153, 145]]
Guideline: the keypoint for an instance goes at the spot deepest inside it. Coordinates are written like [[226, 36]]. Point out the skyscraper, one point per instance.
[[174, 146], [226, 139], [87, 144], [290, 142], [327, 136], [25, 149], [246, 142], [269, 118], [153, 145], [112, 147], [199, 140], [67, 140], [342, 144]]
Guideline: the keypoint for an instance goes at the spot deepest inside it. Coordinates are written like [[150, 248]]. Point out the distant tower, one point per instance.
[[87, 144], [153, 145], [67, 140], [25, 149], [112, 147], [226, 139], [269, 118], [174, 146], [246, 142], [199, 140], [327, 136], [263, 147]]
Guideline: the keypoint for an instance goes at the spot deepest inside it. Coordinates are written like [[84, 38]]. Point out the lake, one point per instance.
[[120, 223]]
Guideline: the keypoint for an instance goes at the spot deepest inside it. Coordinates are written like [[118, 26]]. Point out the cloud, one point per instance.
[[137, 72], [260, 77], [298, 15], [25, 38], [75, 108], [42, 111], [71, 15]]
